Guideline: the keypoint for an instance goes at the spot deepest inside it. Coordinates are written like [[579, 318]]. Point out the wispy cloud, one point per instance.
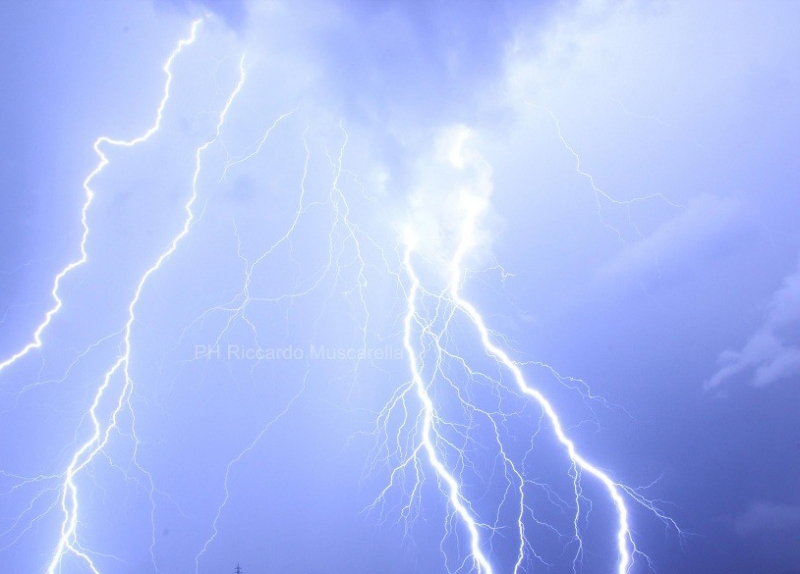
[[768, 354], [694, 235]]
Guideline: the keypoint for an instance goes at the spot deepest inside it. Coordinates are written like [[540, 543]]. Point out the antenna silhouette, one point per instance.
[[238, 569]]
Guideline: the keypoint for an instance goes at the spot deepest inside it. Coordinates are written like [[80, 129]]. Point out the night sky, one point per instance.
[[250, 264]]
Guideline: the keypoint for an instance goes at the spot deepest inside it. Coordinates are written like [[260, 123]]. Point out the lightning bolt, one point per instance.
[[119, 392], [89, 195]]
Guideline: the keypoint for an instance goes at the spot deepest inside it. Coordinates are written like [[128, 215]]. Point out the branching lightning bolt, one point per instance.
[[419, 433], [427, 431], [430, 428]]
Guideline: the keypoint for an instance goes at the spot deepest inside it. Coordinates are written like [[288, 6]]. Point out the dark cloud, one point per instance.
[[426, 59], [233, 12]]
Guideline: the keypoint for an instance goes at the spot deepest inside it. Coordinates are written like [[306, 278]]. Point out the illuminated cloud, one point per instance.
[[453, 182]]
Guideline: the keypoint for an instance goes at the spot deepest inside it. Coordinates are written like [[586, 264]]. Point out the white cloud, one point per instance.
[[767, 353], [455, 183]]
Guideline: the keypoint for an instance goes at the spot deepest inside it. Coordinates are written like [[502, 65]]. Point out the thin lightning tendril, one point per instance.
[[599, 194], [237, 309]]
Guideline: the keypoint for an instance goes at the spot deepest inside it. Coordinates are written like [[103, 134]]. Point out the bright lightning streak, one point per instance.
[[624, 539], [432, 442], [86, 453], [429, 412], [36, 343]]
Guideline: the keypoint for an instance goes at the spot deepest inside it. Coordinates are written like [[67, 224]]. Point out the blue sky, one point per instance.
[[631, 168]]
